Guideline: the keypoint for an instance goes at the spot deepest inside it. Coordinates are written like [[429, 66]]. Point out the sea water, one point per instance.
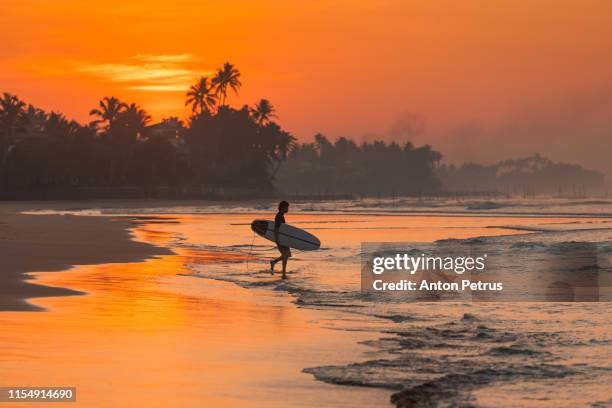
[[511, 354]]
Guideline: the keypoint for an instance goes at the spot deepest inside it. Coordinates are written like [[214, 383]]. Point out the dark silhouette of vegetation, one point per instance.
[[201, 97], [120, 153], [226, 77], [12, 120], [263, 112], [109, 109], [344, 167], [218, 148], [529, 176], [229, 149]]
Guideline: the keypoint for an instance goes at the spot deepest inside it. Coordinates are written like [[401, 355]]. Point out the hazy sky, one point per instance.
[[478, 80]]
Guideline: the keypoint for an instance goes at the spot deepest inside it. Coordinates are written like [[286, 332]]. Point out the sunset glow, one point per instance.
[[322, 203], [471, 71]]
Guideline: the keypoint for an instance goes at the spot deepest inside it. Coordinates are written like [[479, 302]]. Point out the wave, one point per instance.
[[429, 353], [424, 357], [446, 377], [552, 207]]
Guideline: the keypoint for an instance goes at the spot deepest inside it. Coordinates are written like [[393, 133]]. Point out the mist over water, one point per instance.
[[572, 126]]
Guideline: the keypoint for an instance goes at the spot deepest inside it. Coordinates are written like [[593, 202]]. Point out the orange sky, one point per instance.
[[479, 80]]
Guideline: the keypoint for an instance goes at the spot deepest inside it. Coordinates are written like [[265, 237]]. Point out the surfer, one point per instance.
[[285, 252]]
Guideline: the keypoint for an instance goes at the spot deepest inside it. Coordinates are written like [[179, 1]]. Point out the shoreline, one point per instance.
[[54, 243], [144, 314], [206, 318], [61, 241]]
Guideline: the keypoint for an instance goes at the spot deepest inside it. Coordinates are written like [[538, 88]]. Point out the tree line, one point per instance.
[[345, 167], [527, 176], [238, 149], [218, 146]]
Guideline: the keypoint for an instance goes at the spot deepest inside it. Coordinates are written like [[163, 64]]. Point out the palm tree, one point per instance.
[[201, 96], [57, 126], [173, 120], [135, 119], [12, 119], [109, 109], [263, 112], [35, 118], [228, 76], [12, 113], [128, 129]]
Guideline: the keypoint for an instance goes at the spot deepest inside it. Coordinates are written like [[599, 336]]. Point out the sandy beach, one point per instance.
[[161, 340], [55, 243]]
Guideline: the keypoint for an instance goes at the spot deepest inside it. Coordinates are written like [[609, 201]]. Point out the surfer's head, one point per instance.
[[283, 206]]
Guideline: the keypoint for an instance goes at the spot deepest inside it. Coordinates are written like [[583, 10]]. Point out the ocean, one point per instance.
[[421, 352]]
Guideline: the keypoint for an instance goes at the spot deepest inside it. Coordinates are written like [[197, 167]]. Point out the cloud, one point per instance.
[[126, 73], [151, 73], [179, 87], [166, 57]]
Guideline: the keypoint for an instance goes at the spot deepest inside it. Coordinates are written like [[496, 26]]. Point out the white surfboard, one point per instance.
[[288, 235]]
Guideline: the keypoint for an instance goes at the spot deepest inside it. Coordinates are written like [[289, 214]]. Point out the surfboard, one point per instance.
[[288, 235]]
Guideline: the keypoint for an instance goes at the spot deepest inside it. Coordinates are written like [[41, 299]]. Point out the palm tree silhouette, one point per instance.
[[128, 130], [12, 119], [57, 126], [135, 119], [35, 119], [174, 120], [263, 112], [201, 96], [110, 108], [228, 76]]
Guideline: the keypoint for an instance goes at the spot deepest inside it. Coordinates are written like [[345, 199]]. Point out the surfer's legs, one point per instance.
[[285, 259], [285, 255], [273, 262]]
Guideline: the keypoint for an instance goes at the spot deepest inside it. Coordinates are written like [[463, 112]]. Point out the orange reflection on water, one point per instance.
[[143, 336], [146, 336]]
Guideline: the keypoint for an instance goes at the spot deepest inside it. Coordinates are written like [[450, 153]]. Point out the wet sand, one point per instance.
[[144, 336], [167, 332], [55, 243]]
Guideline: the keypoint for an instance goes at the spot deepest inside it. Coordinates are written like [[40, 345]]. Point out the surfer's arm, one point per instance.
[[276, 228]]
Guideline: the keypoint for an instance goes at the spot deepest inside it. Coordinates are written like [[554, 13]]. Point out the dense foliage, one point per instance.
[[221, 148], [529, 176], [230, 149], [345, 167], [218, 147]]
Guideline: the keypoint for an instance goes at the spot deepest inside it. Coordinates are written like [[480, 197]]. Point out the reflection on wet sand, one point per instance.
[[144, 337], [154, 334]]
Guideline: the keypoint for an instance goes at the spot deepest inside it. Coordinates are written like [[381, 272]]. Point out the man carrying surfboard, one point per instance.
[[283, 208], [285, 236]]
